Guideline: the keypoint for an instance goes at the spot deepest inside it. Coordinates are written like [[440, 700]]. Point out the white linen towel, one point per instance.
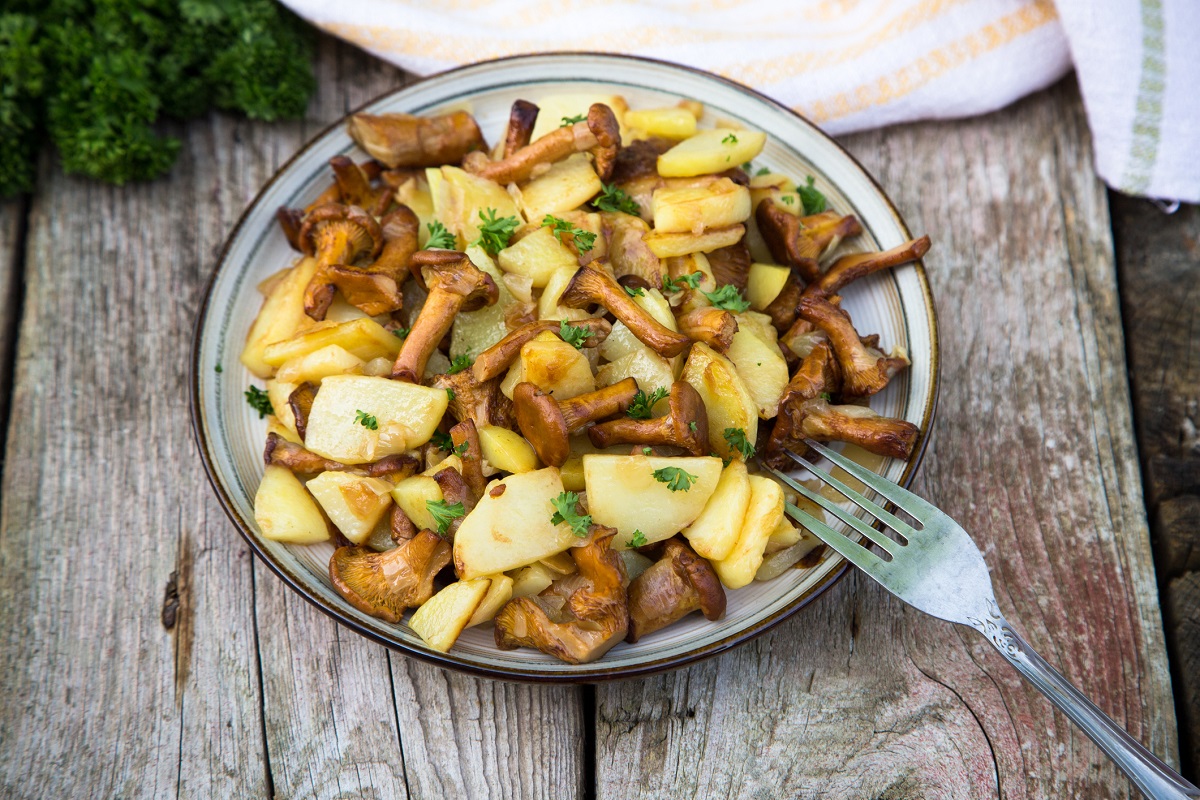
[[854, 64]]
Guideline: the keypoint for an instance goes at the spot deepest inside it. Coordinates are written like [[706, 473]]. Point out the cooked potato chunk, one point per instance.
[[537, 256], [442, 617], [499, 592], [532, 580], [405, 416], [285, 511], [506, 450], [278, 393], [715, 531], [566, 186], [332, 359], [353, 503], [647, 367], [695, 209], [765, 283], [459, 197], [412, 494], [668, 245], [554, 109], [762, 517], [710, 151], [476, 331], [659, 512], [762, 368], [726, 398], [510, 527], [548, 305], [553, 366], [669, 123], [364, 338], [281, 317]]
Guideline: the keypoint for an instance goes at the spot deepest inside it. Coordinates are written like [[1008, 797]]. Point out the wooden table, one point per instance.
[[108, 521]]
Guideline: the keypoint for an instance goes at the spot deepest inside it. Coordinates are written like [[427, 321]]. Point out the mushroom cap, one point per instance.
[[679, 583], [384, 584], [602, 122], [364, 236], [454, 272], [541, 422], [690, 418]]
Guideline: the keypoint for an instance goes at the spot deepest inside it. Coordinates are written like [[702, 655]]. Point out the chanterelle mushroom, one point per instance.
[[592, 286], [685, 425], [384, 584], [455, 284], [499, 357], [857, 425], [547, 423], [481, 401], [402, 140], [713, 326], [375, 289], [335, 234], [599, 133], [865, 371], [679, 583], [800, 241], [282, 453], [580, 616], [850, 268], [817, 374], [355, 188], [521, 119]]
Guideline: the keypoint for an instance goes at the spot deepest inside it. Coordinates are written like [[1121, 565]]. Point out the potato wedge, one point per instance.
[[762, 517], [714, 533], [553, 366], [695, 209], [510, 527], [412, 494], [669, 123], [765, 283], [506, 450], [281, 317], [548, 303], [278, 393], [785, 535], [647, 367], [537, 256], [284, 510], [353, 503], [499, 592], [332, 359], [762, 368], [614, 482], [459, 197], [406, 416], [532, 580], [710, 151], [668, 245], [442, 617], [566, 186], [726, 398], [364, 338]]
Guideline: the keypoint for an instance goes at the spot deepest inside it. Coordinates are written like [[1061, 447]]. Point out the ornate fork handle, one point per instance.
[[1155, 779]]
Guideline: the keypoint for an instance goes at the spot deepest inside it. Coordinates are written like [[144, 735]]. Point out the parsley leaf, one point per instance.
[[692, 426], [812, 200], [574, 335], [613, 199], [218, 369], [676, 479], [676, 284], [368, 421], [442, 441], [439, 237], [826, 396], [259, 401], [401, 333], [450, 394], [444, 514], [762, 171], [647, 451], [459, 363], [634, 291], [637, 540], [728, 298], [572, 120], [729, 139], [738, 441], [583, 239], [747, 167], [641, 406], [494, 234], [461, 450], [566, 509], [788, 199]]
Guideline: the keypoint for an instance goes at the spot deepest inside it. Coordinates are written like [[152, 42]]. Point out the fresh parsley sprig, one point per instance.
[[444, 514], [677, 284], [566, 509], [642, 404], [584, 241], [730, 138], [574, 335], [259, 401], [459, 363], [637, 540], [572, 120], [633, 291], [728, 298], [812, 200], [736, 437], [613, 199], [495, 234], [677, 479], [439, 237], [442, 441], [368, 421]]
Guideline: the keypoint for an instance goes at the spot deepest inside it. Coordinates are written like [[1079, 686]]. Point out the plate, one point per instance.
[[896, 304]]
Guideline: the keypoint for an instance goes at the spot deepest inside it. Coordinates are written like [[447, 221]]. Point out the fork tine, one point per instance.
[[886, 542], [903, 498], [853, 552], [889, 519]]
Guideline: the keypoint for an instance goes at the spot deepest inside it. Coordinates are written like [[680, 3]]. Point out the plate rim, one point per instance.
[[595, 672]]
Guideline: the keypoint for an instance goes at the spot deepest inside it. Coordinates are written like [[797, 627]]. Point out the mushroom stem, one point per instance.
[[521, 120], [584, 408], [710, 325], [780, 230], [592, 286], [679, 583], [402, 140], [384, 584], [599, 133], [864, 372], [472, 458], [335, 234], [858, 425], [848, 269], [354, 187], [500, 356], [547, 423], [684, 426]]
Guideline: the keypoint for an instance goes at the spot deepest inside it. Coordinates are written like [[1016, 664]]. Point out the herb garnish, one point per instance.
[[572, 120], [574, 335], [812, 200], [401, 333], [637, 540], [641, 405], [560, 227], [613, 199], [259, 401], [634, 291], [826, 396], [676, 478], [736, 437], [368, 421], [566, 509], [728, 298], [450, 394], [459, 363], [494, 234], [729, 139], [442, 441], [444, 514], [676, 284], [439, 237]]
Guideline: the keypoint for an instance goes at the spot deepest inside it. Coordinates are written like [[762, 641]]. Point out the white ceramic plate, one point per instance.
[[896, 304]]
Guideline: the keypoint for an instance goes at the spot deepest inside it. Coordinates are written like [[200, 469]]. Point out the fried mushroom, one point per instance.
[[850, 268], [547, 423], [599, 134], [593, 286], [473, 399], [496, 360], [679, 583], [385, 584], [403, 140], [865, 370], [713, 326], [282, 453], [685, 425], [335, 234]]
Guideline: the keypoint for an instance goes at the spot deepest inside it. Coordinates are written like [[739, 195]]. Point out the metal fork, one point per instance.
[[940, 571]]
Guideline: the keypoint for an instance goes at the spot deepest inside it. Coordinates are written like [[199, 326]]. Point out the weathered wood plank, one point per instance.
[[1158, 256], [861, 697]]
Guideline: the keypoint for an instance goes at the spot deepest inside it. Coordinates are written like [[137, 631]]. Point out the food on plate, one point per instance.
[[531, 386]]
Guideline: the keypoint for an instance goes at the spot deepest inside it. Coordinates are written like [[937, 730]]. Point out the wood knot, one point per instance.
[[170, 609]]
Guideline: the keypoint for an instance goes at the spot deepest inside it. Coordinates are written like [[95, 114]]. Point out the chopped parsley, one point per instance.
[[566, 509], [259, 401], [634, 291], [444, 514], [728, 298], [676, 478], [641, 405], [613, 199], [826, 396], [450, 394], [574, 335], [637, 540], [584, 241], [729, 139], [736, 437], [461, 450], [494, 234], [368, 421], [747, 167], [442, 441], [811, 199], [676, 284], [401, 333], [692, 426], [647, 451], [762, 171], [439, 237], [218, 369], [788, 199], [572, 120], [459, 363]]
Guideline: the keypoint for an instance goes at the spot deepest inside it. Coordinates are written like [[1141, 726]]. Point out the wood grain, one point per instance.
[[12, 253], [861, 697]]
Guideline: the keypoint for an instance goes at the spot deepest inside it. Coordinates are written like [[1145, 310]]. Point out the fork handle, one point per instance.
[[1155, 779]]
